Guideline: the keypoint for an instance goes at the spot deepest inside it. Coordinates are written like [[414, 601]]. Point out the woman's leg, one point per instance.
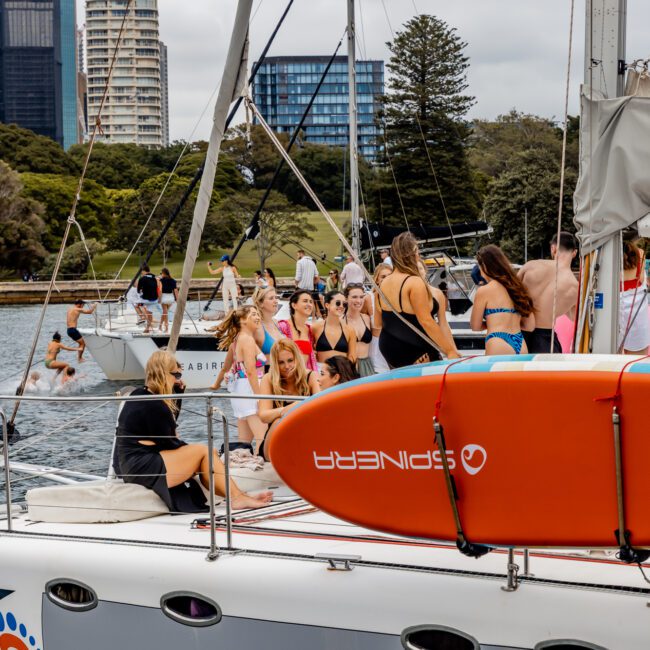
[[257, 429], [183, 463], [233, 295], [59, 366], [164, 320], [224, 295], [244, 432]]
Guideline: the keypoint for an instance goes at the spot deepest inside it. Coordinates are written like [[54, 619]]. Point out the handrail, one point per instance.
[[144, 398]]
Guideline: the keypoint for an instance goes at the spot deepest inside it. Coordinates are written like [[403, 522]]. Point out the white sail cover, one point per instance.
[[613, 190]]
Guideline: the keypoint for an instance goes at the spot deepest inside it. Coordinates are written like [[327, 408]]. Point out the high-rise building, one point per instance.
[[132, 111], [38, 68], [164, 93], [284, 85]]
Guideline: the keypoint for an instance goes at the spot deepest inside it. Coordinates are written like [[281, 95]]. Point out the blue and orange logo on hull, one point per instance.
[[14, 636]]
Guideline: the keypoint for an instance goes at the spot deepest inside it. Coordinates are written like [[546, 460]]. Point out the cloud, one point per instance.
[[517, 48]]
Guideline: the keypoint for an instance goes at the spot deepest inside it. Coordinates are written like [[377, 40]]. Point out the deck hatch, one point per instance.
[[71, 594], [437, 637], [567, 644], [190, 608]]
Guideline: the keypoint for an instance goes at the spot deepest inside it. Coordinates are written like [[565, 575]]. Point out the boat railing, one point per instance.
[[63, 475]]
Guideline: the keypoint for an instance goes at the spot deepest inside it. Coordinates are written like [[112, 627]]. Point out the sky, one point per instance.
[[517, 48]]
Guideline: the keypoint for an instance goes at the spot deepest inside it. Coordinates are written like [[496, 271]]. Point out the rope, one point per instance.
[[618, 394], [71, 218], [562, 171], [332, 223]]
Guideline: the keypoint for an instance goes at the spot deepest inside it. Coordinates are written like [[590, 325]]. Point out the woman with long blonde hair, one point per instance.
[[411, 320], [288, 375], [237, 331], [266, 301], [150, 453]]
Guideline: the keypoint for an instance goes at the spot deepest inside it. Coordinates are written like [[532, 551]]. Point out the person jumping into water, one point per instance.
[[538, 277], [53, 348], [71, 323]]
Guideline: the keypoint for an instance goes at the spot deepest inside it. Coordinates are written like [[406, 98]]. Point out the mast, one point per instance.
[[352, 112], [233, 76], [605, 73]]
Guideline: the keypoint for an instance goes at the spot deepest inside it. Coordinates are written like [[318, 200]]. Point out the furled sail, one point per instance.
[[613, 190]]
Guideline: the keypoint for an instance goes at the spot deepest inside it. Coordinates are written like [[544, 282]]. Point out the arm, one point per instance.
[[477, 320], [367, 302], [235, 271], [175, 293], [419, 297], [65, 347], [248, 352], [227, 365], [442, 317], [212, 271], [89, 311], [314, 385], [351, 336], [299, 271], [377, 322], [266, 412]]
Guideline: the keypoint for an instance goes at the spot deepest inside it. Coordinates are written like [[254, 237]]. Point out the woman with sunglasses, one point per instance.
[[361, 326], [332, 335], [333, 282], [237, 331], [288, 375], [298, 329], [150, 453], [335, 371]]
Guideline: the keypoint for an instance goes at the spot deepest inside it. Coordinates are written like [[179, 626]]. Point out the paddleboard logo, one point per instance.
[[473, 458]]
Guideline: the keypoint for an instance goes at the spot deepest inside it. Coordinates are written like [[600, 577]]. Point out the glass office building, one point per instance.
[[284, 85], [38, 78]]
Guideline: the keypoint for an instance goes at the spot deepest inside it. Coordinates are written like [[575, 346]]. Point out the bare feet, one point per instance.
[[244, 500]]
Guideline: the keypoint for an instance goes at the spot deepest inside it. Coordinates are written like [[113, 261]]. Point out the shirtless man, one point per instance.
[[71, 322], [538, 277]]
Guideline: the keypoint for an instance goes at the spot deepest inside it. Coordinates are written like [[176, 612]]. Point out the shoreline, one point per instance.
[[67, 291]]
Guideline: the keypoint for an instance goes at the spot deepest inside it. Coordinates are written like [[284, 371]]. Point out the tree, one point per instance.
[[56, 194], [281, 222], [75, 261], [21, 226], [531, 183], [424, 128], [24, 151]]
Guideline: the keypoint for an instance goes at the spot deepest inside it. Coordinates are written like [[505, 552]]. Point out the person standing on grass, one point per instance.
[[72, 320]]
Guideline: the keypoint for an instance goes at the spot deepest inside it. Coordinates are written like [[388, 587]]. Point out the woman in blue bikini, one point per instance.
[[501, 304]]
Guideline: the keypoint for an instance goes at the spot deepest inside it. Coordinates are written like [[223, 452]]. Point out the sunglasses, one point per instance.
[[340, 303], [332, 273], [177, 375], [355, 285]]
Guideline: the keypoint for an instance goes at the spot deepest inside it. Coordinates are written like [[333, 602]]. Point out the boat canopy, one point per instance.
[[374, 235], [613, 190]]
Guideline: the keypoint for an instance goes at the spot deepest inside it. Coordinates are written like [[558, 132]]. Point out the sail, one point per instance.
[[613, 190], [232, 85]]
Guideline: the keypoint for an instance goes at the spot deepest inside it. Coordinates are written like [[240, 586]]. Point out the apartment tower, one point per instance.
[[133, 108]]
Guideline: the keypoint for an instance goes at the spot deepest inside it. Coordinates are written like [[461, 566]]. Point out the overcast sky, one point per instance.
[[517, 48]]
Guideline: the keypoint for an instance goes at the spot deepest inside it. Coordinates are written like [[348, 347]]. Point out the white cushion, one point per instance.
[[105, 501]]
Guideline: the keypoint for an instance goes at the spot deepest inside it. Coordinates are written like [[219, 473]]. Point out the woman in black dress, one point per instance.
[[150, 453]]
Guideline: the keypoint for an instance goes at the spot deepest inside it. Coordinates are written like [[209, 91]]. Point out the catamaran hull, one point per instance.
[[113, 355], [280, 600]]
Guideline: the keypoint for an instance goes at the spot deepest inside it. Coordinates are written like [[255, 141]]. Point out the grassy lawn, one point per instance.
[[283, 263]]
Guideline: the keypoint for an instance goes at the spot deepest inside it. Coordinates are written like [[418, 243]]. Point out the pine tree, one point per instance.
[[425, 131]]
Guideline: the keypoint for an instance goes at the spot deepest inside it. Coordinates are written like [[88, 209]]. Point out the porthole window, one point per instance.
[[567, 644], [192, 609], [437, 637], [71, 594]]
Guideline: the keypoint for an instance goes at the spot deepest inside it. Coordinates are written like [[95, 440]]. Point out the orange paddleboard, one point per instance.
[[530, 448]]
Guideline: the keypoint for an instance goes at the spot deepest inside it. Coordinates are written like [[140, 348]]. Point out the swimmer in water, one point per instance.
[[68, 375], [53, 348]]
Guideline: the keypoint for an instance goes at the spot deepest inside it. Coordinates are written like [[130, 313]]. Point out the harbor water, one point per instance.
[[74, 436]]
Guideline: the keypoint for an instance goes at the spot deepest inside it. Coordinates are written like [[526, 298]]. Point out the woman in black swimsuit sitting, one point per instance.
[[334, 329], [421, 306], [288, 375], [150, 453], [361, 325]]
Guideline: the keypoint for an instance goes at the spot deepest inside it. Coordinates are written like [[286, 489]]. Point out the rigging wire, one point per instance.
[[71, 218], [562, 169]]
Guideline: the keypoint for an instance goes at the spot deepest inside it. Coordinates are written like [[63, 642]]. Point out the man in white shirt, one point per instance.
[[352, 273], [385, 258], [306, 271]]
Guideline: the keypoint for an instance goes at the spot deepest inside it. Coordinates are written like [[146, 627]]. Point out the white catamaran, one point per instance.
[[100, 564]]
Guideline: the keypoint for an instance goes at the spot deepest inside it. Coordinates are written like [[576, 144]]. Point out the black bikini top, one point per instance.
[[323, 345], [367, 332]]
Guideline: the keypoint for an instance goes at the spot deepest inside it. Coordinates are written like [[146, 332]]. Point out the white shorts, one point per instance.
[[634, 310], [242, 408], [167, 299]]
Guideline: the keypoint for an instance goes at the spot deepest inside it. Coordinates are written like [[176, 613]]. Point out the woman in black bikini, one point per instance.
[[362, 327], [410, 296], [288, 375], [334, 329]]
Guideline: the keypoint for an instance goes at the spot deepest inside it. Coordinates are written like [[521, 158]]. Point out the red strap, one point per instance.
[[616, 397], [438, 405]]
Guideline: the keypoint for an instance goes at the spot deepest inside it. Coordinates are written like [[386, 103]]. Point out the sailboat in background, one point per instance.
[[290, 575]]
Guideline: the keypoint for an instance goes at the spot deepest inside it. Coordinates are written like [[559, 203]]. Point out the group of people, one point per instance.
[[151, 291]]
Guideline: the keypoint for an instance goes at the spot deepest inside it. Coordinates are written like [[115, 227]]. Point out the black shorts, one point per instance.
[[74, 333], [539, 341]]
